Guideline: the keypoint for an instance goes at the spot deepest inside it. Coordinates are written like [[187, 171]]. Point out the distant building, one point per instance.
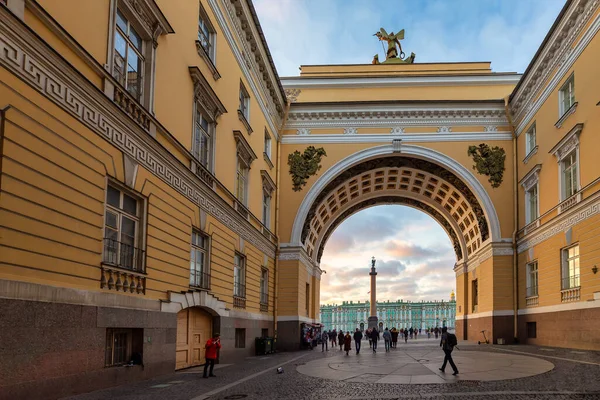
[[399, 314]]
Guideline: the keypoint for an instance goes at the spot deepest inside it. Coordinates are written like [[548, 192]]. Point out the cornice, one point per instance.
[[531, 178], [244, 149], [363, 115], [558, 54], [306, 138], [399, 81], [268, 184], [23, 54], [205, 95], [484, 253], [254, 54], [272, 117], [567, 143], [149, 17]]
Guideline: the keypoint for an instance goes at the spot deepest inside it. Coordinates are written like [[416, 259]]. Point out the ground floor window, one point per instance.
[[531, 330], [123, 346], [264, 332], [240, 338]]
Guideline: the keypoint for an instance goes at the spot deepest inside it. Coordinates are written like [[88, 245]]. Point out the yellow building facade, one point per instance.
[[146, 200]]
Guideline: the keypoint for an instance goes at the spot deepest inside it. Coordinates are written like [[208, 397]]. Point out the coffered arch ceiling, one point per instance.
[[398, 179]]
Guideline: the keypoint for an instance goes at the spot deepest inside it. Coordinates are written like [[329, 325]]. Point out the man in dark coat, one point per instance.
[[341, 339], [447, 346], [357, 338], [374, 338]]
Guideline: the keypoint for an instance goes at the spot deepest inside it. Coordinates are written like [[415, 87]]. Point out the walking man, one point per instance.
[[405, 335], [447, 344], [324, 340], [341, 339], [212, 347], [387, 337], [357, 338], [374, 338]]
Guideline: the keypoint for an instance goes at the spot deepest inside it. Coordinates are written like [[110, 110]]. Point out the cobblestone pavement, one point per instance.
[[575, 376]]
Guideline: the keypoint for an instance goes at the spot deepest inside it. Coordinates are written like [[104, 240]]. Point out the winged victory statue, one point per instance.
[[394, 54]]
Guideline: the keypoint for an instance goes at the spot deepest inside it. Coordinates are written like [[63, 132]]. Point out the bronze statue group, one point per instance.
[[448, 341]]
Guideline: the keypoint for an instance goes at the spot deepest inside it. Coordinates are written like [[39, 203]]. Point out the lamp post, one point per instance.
[[373, 316]]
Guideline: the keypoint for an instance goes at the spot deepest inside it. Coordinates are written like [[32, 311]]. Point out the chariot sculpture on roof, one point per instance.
[[394, 54]]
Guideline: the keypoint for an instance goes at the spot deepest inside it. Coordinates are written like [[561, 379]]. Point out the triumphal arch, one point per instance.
[[434, 137]]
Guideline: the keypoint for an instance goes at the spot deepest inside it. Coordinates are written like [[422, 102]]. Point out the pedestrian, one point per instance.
[[406, 336], [428, 334], [333, 338], [436, 331], [369, 336], [387, 337], [324, 340], [212, 348], [347, 342], [341, 339], [447, 344], [394, 337], [374, 338], [357, 338]]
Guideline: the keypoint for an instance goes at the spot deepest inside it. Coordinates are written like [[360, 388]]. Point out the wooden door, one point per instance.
[[194, 327]]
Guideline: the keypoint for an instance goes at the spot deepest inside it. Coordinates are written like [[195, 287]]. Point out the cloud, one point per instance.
[[398, 248]]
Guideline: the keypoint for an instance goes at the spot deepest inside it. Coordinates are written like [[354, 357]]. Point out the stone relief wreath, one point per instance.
[[489, 161], [304, 165]]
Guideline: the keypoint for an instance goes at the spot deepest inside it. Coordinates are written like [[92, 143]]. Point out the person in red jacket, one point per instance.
[[212, 347]]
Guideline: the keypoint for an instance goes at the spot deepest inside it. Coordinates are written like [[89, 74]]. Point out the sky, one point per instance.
[[415, 257]]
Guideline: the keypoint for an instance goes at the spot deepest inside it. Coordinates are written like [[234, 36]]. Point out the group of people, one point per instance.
[[447, 342]]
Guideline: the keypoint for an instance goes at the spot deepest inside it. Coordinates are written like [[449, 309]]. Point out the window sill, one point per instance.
[[268, 160], [209, 62], [530, 154], [565, 115], [239, 302], [242, 118]]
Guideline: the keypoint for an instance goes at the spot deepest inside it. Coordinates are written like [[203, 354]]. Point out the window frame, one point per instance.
[[242, 176], [574, 174], [574, 280], [532, 270], [195, 248], [138, 261], [200, 115], [267, 145], [475, 294], [239, 278], [211, 52], [264, 285], [531, 133], [244, 102], [266, 209], [532, 213], [566, 91], [141, 53]]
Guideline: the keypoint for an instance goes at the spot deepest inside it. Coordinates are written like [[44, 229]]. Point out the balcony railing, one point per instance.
[[532, 301], [569, 203], [132, 107], [114, 278], [200, 279], [204, 174], [123, 255], [239, 295], [532, 291], [264, 302], [568, 295]]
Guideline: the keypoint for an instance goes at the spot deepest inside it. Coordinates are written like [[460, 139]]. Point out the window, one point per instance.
[[121, 226], [199, 274], [264, 332], [264, 286], [530, 142], [475, 293], [531, 202], [566, 95], [266, 209], [202, 149], [244, 103], [569, 175], [531, 330], [267, 144], [532, 279], [307, 298], [123, 346], [239, 276], [241, 182], [128, 62], [570, 268], [206, 35], [240, 338]]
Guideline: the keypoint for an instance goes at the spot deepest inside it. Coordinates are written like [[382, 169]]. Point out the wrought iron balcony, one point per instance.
[[200, 279], [239, 295], [123, 255], [570, 282]]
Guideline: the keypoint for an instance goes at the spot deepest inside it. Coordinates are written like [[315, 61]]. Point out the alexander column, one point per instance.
[[373, 316]]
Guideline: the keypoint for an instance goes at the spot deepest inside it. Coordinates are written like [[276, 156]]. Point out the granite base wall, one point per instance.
[[288, 335], [52, 350], [226, 327], [495, 328], [576, 329]]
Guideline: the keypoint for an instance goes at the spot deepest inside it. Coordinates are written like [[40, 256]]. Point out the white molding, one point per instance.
[[531, 154], [307, 138], [531, 178], [582, 211], [409, 150], [578, 305], [402, 81], [565, 57], [271, 120], [299, 318], [495, 313], [486, 251]]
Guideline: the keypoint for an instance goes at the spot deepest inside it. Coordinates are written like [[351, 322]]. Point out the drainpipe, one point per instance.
[[515, 222], [277, 182]]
